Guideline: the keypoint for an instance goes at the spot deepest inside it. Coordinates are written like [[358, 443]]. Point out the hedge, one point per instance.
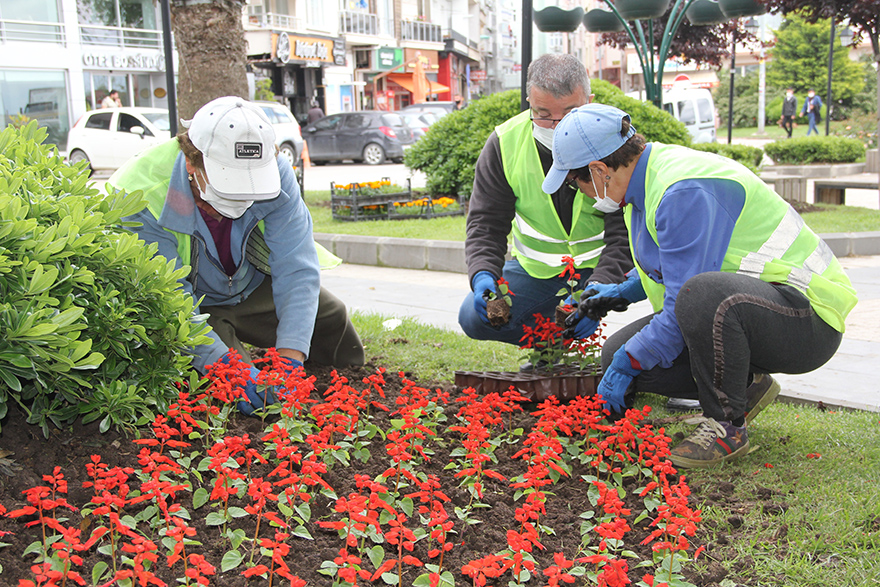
[[805, 150]]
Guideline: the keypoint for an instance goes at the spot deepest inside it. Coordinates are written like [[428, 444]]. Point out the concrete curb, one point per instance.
[[439, 255]]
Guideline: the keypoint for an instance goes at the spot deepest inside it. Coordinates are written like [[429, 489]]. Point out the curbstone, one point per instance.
[[436, 255]]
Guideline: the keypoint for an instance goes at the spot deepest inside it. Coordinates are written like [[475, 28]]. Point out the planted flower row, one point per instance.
[[404, 483]]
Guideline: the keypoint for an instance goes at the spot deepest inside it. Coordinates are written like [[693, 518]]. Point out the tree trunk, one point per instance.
[[211, 50]]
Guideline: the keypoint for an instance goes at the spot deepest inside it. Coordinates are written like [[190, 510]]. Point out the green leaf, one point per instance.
[[391, 578], [237, 512], [302, 532], [376, 555], [98, 571], [231, 560], [200, 497], [215, 519]]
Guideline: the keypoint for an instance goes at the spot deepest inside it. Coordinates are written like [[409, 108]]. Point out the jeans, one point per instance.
[[532, 296], [811, 118], [733, 325]]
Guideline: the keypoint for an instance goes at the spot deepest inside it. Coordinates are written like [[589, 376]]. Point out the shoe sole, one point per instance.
[[686, 463], [767, 399]]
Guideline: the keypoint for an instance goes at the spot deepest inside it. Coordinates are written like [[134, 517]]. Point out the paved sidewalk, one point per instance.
[[849, 380]]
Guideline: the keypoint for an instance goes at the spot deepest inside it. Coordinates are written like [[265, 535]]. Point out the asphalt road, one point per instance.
[[319, 177]]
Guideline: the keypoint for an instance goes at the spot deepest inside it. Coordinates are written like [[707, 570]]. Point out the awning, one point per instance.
[[406, 81], [704, 78]]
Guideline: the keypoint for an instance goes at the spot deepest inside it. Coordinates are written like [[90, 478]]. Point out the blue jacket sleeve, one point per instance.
[[694, 223], [296, 279]]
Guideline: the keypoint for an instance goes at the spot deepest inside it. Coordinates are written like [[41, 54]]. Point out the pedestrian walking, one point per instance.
[[813, 109], [789, 111]]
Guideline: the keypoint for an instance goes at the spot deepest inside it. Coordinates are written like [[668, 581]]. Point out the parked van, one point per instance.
[[692, 106]]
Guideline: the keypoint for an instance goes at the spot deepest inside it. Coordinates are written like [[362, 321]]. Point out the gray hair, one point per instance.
[[558, 74]]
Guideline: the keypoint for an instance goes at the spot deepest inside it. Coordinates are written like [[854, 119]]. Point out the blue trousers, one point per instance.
[[811, 119], [532, 296]]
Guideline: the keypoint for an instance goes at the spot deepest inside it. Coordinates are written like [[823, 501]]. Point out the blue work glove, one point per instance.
[[601, 298], [255, 399], [484, 282], [289, 364], [577, 325], [616, 380]]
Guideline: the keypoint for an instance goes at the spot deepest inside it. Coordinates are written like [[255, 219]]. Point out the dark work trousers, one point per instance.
[[334, 341], [788, 124], [733, 326]]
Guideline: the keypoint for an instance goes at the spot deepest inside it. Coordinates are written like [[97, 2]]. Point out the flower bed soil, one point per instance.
[[28, 456]]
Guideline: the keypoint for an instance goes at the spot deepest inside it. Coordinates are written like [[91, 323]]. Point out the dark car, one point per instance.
[[370, 136], [418, 122]]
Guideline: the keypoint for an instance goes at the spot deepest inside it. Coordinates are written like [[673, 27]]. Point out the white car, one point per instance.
[[288, 137], [107, 138]]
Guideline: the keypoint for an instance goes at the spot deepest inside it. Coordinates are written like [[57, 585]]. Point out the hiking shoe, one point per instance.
[[711, 443], [680, 404], [760, 394]]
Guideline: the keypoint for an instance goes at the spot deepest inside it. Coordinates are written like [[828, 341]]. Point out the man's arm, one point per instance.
[[491, 211], [616, 259]]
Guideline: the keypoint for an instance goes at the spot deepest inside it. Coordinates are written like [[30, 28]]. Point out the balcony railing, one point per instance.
[[111, 36], [359, 23], [31, 31], [276, 21], [416, 30]]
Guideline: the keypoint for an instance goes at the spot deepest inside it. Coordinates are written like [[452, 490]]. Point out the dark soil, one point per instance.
[[498, 312], [30, 455]]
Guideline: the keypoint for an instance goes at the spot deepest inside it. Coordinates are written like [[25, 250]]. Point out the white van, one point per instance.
[[692, 106]]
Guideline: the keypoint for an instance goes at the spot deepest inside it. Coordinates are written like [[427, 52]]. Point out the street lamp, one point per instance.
[[846, 37]]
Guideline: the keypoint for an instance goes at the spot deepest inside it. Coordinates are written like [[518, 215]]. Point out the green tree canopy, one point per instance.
[[800, 60]]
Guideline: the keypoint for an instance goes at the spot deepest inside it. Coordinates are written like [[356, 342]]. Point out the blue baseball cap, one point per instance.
[[586, 134]]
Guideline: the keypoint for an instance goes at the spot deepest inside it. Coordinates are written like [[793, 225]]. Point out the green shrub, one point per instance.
[[749, 156], [91, 324], [448, 153], [804, 150]]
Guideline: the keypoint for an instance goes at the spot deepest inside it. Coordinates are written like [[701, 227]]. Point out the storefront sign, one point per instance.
[[388, 58], [137, 61], [478, 75], [312, 50]]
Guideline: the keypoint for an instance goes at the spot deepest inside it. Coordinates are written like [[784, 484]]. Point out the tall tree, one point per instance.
[[798, 60], [863, 15], [211, 49]]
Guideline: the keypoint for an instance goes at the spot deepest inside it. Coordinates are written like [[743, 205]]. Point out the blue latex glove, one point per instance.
[[483, 282], [578, 325], [601, 298], [255, 399], [289, 364], [616, 380]]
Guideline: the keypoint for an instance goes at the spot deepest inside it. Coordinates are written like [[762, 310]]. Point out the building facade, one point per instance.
[[60, 58]]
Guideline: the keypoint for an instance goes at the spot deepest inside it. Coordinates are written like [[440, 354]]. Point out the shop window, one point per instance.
[[362, 58], [36, 95]]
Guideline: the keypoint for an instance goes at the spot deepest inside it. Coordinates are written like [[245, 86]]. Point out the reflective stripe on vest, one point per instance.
[[770, 241], [539, 239]]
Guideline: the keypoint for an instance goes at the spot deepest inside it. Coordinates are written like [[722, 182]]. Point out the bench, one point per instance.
[[833, 190], [791, 187]]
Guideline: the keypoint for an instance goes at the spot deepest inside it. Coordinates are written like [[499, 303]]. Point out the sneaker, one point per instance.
[[760, 394], [680, 404], [711, 443]]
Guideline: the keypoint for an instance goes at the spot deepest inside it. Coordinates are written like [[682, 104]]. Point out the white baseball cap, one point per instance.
[[237, 142]]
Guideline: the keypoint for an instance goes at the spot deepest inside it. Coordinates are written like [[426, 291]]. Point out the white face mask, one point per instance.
[[543, 135], [228, 208], [606, 205]]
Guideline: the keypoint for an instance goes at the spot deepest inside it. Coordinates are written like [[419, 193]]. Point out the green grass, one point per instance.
[[804, 521], [775, 132], [452, 228]]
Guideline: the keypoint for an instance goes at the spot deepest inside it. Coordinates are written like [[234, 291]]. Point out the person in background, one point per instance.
[[220, 201], [315, 113], [813, 109], [111, 100], [740, 285], [789, 111], [507, 196], [458, 103]]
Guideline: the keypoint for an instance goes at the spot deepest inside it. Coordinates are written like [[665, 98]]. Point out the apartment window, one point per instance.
[[16, 17], [317, 11], [107, 17]]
